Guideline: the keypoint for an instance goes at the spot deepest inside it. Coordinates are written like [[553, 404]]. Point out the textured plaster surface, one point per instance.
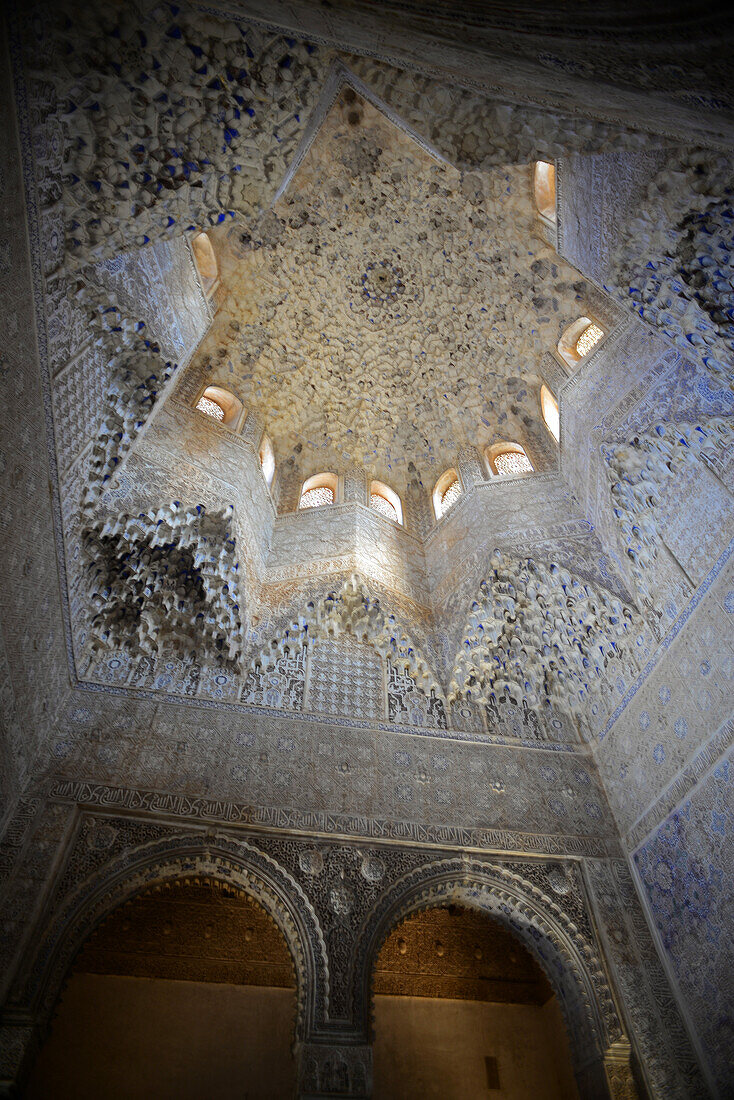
[[329, 727], [33, 676]]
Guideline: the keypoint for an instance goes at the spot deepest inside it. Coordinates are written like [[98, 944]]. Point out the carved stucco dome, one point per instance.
[[390, 309]]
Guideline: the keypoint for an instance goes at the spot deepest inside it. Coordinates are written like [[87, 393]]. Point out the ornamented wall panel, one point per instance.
[[198, 455], [345, 678], [675, 709], [389, 553], [346, 896], [281, 685], [695, 518], [658, 1030], [612, 383], [30, 846], [79, 400], [595, 196], [520, 512], [159, 285], [407, 704], [33, 636], [316, 534], [684, 868], [370, 781]]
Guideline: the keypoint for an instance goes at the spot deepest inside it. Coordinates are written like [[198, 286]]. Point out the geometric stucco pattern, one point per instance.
[[684, 870], [388, 314]]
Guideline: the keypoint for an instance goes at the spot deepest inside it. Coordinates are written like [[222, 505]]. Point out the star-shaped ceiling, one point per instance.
[[390, 309]]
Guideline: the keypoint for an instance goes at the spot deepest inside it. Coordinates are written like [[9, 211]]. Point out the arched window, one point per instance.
[[545, 189], [447, 491], [549, 408], [579, 339], [386, 501], [588, 339], [206, 262], [508, 458], [318, 491], [220, 405], [267, 459]]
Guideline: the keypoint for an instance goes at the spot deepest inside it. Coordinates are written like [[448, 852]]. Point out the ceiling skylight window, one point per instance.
[[451, 495], [267, 459], [221, 405], [588, 339], [206, 262], [317, 498], [545, 189], [210, 408], [579, 340]]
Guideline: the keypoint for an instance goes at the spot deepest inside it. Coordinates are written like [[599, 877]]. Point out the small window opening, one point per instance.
[[450, 495], [508, 458], [588, 339], [316, 498], [386, 501], [221, 405], [267, 459], [206, 262], [551, 416], [318, 491], [545, 189], [579, 339], [447, 491], [210, 408]]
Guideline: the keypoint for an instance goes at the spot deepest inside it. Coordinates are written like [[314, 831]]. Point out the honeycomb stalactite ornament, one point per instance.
[[351, 610], [138, 374], [208, 114], [162, 581], [539, 635], [165, 582], [382, 282], [382, 294], [673, 260]]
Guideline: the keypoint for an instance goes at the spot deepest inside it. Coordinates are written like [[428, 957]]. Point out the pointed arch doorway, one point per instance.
[[186, 990], [463, 1010]]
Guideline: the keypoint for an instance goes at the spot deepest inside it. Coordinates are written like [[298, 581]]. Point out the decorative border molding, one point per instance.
[[331, 825], [344, 722]]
